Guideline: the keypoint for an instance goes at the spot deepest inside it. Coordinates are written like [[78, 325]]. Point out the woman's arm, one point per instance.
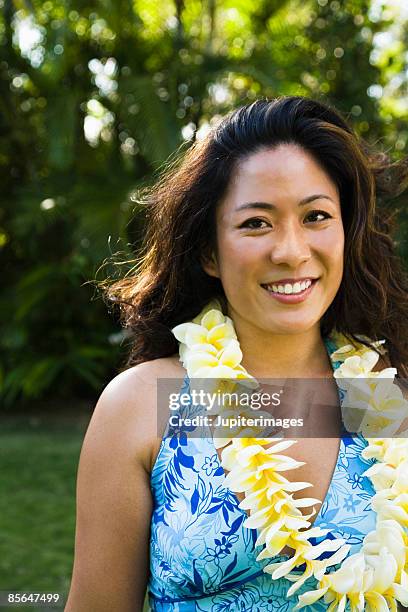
[[114, 503]]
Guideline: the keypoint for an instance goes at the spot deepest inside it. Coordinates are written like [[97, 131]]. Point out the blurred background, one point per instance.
[[94, 97]]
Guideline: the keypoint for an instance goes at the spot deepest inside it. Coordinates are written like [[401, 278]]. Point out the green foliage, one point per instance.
[[95, 95]]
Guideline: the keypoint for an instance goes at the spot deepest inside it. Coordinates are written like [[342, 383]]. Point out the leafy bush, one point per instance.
[[96, 95]]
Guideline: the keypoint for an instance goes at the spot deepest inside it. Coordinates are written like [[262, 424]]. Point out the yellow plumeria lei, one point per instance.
[[376, 576]]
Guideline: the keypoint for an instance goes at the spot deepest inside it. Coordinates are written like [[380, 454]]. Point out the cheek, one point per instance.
[[330, 245], [237, 256], [335, 254]]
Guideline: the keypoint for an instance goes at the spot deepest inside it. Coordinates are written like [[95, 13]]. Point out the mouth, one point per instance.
[[290, 292]]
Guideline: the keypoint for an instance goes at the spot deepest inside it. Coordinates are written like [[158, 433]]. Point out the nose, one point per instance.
[[290, 246]]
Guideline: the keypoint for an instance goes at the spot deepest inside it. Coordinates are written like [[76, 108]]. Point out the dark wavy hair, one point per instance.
[[167, 285]]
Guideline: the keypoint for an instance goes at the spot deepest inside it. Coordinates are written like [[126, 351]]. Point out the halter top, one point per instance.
[[202, 558]]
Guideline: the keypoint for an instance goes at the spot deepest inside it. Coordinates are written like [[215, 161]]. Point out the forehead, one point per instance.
[[286, 172]]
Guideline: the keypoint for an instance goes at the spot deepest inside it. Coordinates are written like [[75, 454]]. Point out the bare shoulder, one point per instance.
[[114, 501], [144, 374], [127, 408]]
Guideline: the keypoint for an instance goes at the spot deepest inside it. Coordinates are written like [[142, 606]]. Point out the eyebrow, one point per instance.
[[268, 206]]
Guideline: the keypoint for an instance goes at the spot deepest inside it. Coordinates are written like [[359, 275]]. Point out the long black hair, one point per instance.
[[168, 284]]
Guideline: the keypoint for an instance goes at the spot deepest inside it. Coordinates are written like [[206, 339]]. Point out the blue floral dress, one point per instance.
[[202, 558]]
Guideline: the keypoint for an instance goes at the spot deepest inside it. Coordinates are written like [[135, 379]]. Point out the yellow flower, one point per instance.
[[360, 366], [374, 403], [376, 577], [209, 347], [348, 582], [388, 536], [395, 450]]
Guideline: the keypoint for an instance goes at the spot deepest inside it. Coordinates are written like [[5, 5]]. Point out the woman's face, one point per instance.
[[280, 241]]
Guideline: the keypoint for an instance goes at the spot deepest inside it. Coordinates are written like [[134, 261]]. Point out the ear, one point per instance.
[[210, 265]]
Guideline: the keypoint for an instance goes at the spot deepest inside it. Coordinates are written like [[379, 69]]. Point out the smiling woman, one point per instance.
[[266, 256], [279, 225]]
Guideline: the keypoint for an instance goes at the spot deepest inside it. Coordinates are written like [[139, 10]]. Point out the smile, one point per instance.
[[290, 293]]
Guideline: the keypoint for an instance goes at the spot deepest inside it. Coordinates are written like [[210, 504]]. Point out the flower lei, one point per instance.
[[378, 574]]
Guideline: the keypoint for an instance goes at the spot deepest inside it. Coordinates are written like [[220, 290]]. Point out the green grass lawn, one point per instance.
[[38, 463]]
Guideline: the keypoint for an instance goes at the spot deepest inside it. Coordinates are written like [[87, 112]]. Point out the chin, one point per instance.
[[291, 327]]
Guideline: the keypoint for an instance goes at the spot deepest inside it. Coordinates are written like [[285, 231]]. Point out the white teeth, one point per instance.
[[288, 289]]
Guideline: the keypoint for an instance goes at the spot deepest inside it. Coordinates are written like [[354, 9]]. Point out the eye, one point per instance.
[[255, 223], [316, 216]]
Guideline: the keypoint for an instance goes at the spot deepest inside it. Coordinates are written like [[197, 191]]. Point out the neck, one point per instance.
[[302, 355]]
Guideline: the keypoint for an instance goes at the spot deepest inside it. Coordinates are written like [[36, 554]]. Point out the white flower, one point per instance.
[[360, 366], [373, 579]]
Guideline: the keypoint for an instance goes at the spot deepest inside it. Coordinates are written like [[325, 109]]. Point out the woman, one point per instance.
[[275, 215]]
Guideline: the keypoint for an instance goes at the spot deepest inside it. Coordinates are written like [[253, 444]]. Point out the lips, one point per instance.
[[289, 286], [288, 293]]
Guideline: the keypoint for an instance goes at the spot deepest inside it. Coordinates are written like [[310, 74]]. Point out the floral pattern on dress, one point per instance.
[[202, 558]]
